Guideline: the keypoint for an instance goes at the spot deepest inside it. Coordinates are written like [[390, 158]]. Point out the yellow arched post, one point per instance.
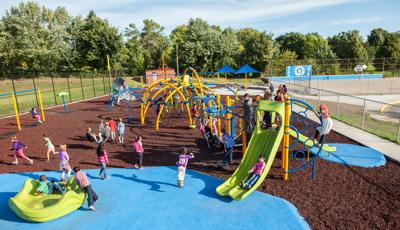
[[41, 104], [228, 115], [285, 150], [162, 108], [16, 110], [210, 117], [218, 115]]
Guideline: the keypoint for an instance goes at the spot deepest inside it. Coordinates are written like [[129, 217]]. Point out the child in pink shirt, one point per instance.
[[139, 152], [64, 165], [102, 158], [256, 172]]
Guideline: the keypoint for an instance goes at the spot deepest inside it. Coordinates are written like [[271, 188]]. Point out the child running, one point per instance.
[[64, 165], [35, 115], [102, 157], [84, 183], [139, 152], [182, 162], [326, 126], [113, 128], [121, 131], [18, 148], [49, 145], [256, 172]]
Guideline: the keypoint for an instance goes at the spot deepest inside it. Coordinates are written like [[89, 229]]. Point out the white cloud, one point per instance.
[[355, 21], [172, 13]]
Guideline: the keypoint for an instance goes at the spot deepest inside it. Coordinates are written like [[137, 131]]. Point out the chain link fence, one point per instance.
[[381, 119]]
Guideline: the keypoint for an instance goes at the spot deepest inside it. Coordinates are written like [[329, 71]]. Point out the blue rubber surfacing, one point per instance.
[[355, 155], [149, 199]]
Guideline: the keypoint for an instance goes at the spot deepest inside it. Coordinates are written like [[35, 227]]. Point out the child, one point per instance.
[[229, 144], [113, 128], [46, 188], [90, 135], [35, 115], [49, 145], [266, 121], [102, 157], [139, 152], [105, 132], [195, 113], [183, 160], [18, 148], [256, 172], [102, 126], [64, 165], [84, 183], [326, 126], [121, 131]]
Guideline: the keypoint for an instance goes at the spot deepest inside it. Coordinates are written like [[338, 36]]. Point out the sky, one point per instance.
[[327, 17]]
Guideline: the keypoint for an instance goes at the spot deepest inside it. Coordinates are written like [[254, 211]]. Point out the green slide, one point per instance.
[[262, 141], [309, 142], [45, 207]]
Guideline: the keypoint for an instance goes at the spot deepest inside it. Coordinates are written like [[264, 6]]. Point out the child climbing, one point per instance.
[[49, 145], [182, 162], [35, 115], [84, 183], [18, 149], [113, 128], [102, 158], [256, 172], [121, 131], [139, 152], [326, 125], [64, 165]]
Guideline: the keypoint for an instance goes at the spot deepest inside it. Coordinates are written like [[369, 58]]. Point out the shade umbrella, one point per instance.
[[225, 70], [245, 69]]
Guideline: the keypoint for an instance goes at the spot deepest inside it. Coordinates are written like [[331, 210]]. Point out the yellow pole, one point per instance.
[[228, 116], [285, 154], [218, 115], [141, 82], [162, 62], [245, 79], [41, 105], [109, 71], [210, 117], [16, 110], [244, 135], [226, 80], [217, 78]]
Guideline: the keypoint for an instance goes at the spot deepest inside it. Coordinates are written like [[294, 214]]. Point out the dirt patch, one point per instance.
[[340, 197]]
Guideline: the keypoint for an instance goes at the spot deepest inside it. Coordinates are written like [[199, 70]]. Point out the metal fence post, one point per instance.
[[15, 94], [54, 91], [337, 106], [319, 96], [69, 88], [94, 88], [363, 116], [34, 87], [83, 94], [398, 132]]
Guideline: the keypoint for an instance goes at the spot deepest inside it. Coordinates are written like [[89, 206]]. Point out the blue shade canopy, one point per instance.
[[246, 69], [225, 69]]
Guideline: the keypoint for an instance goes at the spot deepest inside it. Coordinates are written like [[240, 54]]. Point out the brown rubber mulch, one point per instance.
[[340, 197]]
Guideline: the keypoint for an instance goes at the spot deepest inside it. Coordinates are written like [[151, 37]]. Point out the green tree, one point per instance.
[[317, 47], [132, 53], [292, 42], [257, 48], [349, 45], [97, 39]]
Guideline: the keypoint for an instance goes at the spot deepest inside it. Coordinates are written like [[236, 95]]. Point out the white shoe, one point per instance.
[[92, 208], [15, 163], [31, 162]]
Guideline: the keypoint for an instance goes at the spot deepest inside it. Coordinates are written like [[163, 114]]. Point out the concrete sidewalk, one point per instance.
[[390, 149]]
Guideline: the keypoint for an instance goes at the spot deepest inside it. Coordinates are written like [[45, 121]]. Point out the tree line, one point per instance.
[[34, 38]]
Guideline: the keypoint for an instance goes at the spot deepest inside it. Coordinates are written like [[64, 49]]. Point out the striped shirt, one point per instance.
[[81, 179]]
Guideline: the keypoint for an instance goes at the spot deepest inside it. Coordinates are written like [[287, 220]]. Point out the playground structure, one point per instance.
[[302, 148], [15, 104]]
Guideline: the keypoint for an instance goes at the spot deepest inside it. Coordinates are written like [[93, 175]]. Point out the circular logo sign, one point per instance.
[[299, 71]]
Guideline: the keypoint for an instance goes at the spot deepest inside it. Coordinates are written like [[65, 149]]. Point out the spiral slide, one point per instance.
[[262, 142]]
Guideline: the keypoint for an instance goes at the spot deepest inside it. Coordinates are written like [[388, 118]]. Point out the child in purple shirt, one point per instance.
[[64, 165], [182, 162], [256, 172], [18, 148]]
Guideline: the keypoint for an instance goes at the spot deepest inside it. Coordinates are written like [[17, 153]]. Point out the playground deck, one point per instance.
[[336, 198]]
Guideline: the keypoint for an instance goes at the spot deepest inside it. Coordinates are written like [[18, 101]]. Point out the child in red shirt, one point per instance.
[[113, 127]]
